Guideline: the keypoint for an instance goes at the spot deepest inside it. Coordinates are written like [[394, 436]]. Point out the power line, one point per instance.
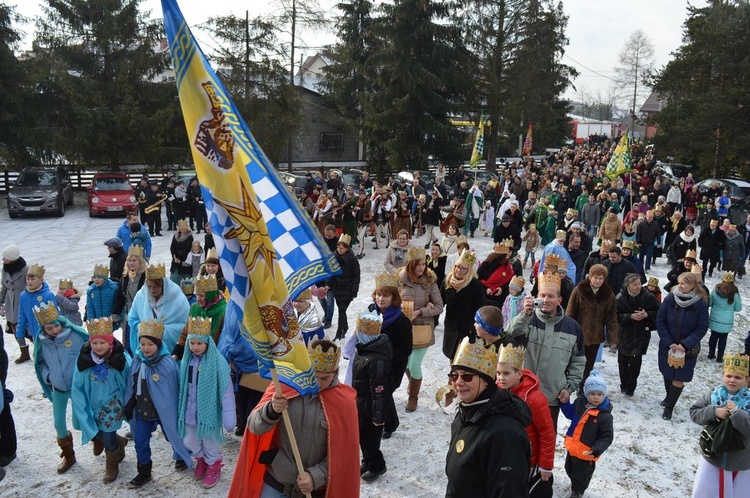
[[589, 69]]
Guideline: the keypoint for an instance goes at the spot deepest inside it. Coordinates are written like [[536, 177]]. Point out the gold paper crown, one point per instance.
[[65, 284], [187, 286], [476, 357], [36, 270], [552, 260], [99, 326], [467, 257], [416, 254], [507, 242], [572, 211], [512, 355], [199, 326], [696, 270], [151, 328], [691, 254], [561, 234], [345, 239], [155, 272], [182, 224], [324, 361], [135, 250], [727, 276], [501, 248], [737, 363], [305, 295], [101, 271], [212, 253], [653, 281], [206, 283], [563, 266], [628, 244], [369, 323], [549, 280], [606, 244], [46, 313], [518, 280], [386, 280]]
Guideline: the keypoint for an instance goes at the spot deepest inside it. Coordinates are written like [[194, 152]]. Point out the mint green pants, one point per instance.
[[59, 409], [415, 362]]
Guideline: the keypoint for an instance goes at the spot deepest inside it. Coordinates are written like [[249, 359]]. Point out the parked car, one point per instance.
[[40, 190], [352, 177], [426, 178], [738, 212], [111, 193], [294, 180], [738, 189]]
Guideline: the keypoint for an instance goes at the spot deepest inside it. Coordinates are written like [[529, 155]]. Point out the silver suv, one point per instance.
[[40, 190]]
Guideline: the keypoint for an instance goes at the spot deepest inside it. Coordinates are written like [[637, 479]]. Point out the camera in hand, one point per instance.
[[538, 302]]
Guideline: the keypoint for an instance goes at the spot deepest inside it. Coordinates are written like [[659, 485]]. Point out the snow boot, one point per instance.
[[112, 468], [667, 385], [213, 473], [67, 454], [144, 475], [672, 397], [98, 446], [200, 469], [24, 355], [414, 386]]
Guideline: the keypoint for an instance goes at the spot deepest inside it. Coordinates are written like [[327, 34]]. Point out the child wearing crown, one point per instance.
[[68, 298], [98, 393], [101, 295], [513, 304], [206, 403], [308, 317], [195, 258], [725, 471], [209, 303], [523, 383], [153, 388], [590, 433], [36, 292], [724, 303], [55, 354]]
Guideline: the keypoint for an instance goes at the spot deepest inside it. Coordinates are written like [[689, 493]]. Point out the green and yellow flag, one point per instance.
[[620, 161]]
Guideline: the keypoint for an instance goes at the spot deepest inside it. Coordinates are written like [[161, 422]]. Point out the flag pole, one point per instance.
[[289, 430]]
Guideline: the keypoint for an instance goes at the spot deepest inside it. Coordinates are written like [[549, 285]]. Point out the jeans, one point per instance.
[[108, 439], [268, 492], [647, 253], [142, 439], [717, 338], [328, 304], [591, 229]]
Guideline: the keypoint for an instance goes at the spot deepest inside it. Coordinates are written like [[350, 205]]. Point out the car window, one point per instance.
[[37, 179], [109, 184]]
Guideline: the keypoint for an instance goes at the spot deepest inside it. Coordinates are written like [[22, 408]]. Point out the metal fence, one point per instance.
[[79, 178]]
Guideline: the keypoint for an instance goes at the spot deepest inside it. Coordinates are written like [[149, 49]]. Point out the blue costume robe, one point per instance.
[[173, 313], [72, 338], [555, 248]]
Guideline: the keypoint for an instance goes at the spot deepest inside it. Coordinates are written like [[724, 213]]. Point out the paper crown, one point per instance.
[[212, 253], [518, 280], [606, 244], [198, 325], [135, 250], [501, 248], [46, 313], [182, 224], [727, 276], [548, 280], [156, 272], [572, 211], [36, 270], [99, 326], [324, 361], [305, 295], [696, 270], [65, 284], [653, 281], [101, 271], [476, 356], [369, 323], [691, 254], [737, 363], [386, 280], [512, 355], [345, 239], [206, 283], [467, 257], [628, 244], [187, 286], [561, 234], [416, 254], [151, 328], [552, 261]]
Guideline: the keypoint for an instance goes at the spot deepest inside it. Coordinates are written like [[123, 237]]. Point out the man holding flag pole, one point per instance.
[[475, 199], [620, 163], [269, 252]]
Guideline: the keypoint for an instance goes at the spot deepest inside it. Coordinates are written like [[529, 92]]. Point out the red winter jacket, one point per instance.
[[541, 432]]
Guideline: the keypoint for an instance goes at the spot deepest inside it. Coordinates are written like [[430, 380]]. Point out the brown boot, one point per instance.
[[408, 386], [68, 455], [414, 386], [98, 446], [114, 457], [121, 443], [24, 355]]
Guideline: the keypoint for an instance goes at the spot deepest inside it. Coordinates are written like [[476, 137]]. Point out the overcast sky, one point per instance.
[[597, 30]]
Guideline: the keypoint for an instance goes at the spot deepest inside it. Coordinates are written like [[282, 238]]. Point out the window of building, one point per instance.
[[332, 141]]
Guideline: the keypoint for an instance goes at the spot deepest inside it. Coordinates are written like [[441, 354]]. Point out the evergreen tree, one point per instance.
[[12, 78]]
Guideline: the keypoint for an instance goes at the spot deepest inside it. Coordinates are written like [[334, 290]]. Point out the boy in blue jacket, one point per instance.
[[590, 434], [36, 292], [100, 296]]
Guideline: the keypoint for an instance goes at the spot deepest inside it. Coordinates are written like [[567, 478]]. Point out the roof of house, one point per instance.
[[654, 103]]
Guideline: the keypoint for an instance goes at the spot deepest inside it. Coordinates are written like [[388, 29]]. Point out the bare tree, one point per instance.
[[635, 59]]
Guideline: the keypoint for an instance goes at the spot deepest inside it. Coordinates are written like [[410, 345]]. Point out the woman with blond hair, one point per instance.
[[682, 322], [464, 295], [131, 281]]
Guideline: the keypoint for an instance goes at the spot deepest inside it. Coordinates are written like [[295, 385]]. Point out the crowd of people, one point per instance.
[[522, 340]]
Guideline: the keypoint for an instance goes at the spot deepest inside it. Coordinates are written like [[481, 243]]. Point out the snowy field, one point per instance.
[[650, 457]]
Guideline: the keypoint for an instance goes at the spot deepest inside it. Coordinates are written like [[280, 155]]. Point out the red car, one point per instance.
[[111, 193]]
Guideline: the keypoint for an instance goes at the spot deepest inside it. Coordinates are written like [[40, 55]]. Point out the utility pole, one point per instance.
[[290, 137]]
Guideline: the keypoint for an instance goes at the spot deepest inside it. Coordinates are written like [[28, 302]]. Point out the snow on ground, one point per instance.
[[649, 456]]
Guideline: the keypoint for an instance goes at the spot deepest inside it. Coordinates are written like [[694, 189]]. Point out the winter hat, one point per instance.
[[11, 253], [595, 383], [576, 225], [114, 243]]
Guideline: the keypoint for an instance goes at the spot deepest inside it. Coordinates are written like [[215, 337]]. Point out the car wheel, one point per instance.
[[12, 215], [70, 202], [91, 213], [61, 209]]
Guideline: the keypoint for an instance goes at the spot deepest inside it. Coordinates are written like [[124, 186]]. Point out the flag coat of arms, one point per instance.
[[478, 151], [528, 142], [620, 161], [268, 247]]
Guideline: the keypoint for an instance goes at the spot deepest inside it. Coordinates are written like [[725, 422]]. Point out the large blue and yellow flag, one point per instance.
[[478, 151], [620, 162], [268, 247]]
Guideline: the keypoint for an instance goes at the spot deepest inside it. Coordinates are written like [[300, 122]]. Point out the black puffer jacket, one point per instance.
[[489, 451], [460, 308], [372, 378], [634, 335], [345, 286]]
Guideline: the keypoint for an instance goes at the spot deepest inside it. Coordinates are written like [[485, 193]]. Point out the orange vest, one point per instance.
[[573, 443]]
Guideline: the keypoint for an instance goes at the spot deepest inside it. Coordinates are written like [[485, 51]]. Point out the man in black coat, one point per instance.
[[711, 242], [508, 230], [618, 268], [117, 256], [576, 253]]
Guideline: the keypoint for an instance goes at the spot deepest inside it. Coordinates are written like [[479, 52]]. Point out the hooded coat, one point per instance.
[[27, 322], [634, 335], [540, 431], [13, 283], [69, 306], [55, 358], [593, 312], [721, 317], [173, 312]]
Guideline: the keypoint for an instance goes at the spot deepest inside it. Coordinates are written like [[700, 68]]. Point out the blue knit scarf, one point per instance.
[[390, 315], [720, 396]]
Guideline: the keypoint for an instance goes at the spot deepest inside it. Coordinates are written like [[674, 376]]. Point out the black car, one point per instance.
[[738, 189], [738, 212], [40, 190]]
